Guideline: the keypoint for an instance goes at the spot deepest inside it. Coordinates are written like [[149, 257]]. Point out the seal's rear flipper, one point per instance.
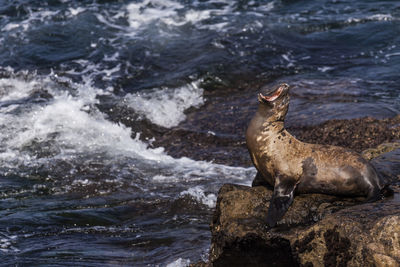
[[281, 199], [377, 194]]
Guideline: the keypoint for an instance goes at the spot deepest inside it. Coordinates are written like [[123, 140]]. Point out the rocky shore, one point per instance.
[[356, 134], [317, 230]]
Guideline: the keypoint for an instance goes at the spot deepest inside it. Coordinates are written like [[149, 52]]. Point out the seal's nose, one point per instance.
[[285, 86]]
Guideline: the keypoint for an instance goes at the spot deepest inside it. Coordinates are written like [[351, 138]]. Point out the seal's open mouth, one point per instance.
[[281, 90]]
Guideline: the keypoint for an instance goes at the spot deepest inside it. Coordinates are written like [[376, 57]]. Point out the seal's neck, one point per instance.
[[272, 128], [266, 123], [270, 113], [276, 126]]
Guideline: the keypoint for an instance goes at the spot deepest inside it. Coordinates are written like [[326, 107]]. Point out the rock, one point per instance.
[[199, 264], [388, 165], [372, 153], [317, 230], [356, 134]]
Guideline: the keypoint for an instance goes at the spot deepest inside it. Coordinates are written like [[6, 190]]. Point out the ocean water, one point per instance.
[[95, 96]]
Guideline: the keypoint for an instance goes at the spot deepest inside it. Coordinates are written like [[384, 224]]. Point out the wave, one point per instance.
[[216, 15], [67, 126], [7, 243], [179, 263], [166, 107], [199, 195]]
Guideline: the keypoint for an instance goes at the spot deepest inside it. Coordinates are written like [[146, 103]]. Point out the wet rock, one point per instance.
[[317, 230], [375, 152], [200, 264], [216, 133], [388, 164], [356, 134]]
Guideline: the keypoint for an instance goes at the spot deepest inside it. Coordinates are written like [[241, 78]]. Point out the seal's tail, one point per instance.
[[379, 194]]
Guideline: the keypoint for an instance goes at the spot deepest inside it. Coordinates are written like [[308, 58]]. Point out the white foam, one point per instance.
[[375, 17], [113, 57], [381, 17], [91, 70], [75, 11], [288, 58], [74, 126], [392, 55], [75, 130], [173, 13], [108, 21], [198, 194], [64, 120], [325, 68], [14, 89], [179, 263], [6, 243], [163, 178], [40, 16], [147, 11], [71, 126], [267, 7], [10, 26], [165, 107], [194, 16], [84, 182]]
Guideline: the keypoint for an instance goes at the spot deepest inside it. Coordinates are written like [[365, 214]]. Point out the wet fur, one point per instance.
[[291, 166]]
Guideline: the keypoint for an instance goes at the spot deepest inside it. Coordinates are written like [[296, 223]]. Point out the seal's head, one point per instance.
[[275, 104]]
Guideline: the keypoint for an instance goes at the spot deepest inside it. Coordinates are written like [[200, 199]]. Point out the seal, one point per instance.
[[294, 167]]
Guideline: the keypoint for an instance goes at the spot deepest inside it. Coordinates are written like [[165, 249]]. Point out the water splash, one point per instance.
[[166, 107]]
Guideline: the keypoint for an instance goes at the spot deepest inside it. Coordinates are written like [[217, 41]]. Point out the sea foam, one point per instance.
[[179, 263], [199, 195], [165, 107], [69, 125], [172, 13], [147, 11]]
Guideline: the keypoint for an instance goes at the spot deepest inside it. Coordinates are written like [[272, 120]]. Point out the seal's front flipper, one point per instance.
[[281, 199]]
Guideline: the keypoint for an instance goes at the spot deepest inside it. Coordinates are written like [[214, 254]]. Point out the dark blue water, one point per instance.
[[88, 87]]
